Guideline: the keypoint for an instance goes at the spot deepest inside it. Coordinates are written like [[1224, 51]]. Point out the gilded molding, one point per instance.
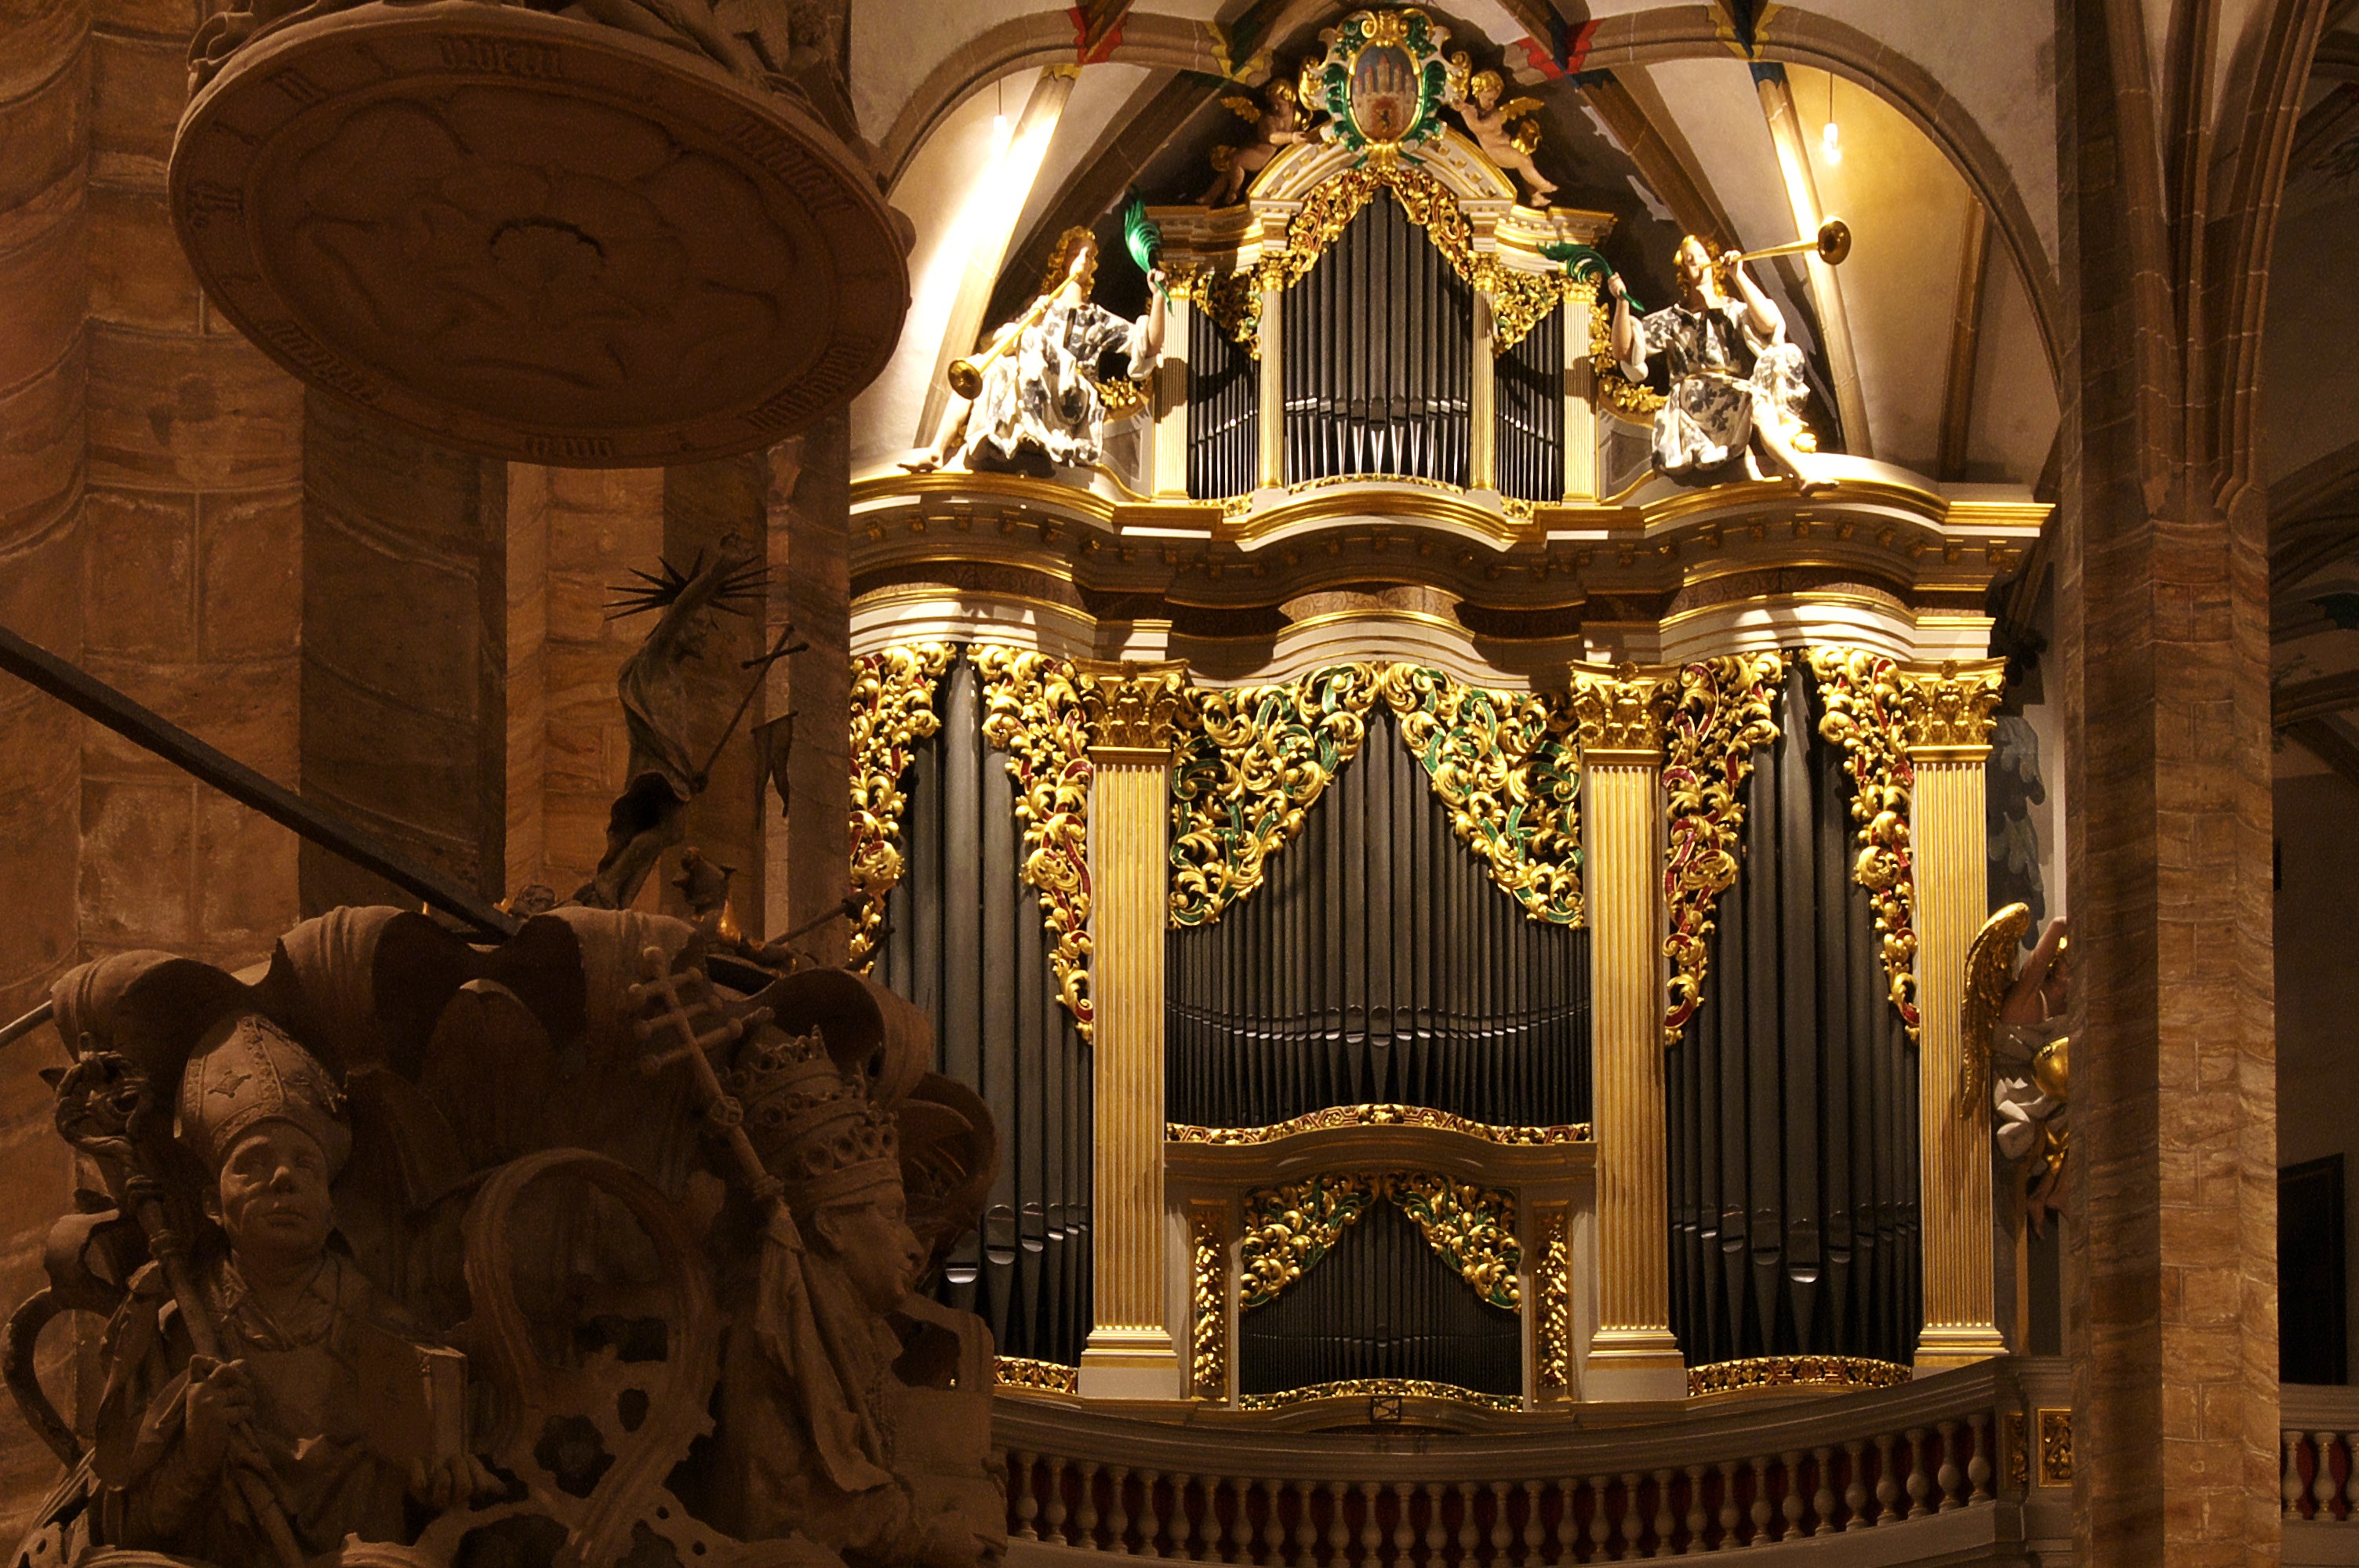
[[1255, 761], [1520, 300], [1621, 712], [1379, 1115], [1208, 1244], [1033, 711], [892, 709], [1865, 700], [1795, 1371], [1504, 763], [1553, 1325], [1723, 712], [1039, 1377], [1379, 1388], [1289, 1228], [1133, 707]]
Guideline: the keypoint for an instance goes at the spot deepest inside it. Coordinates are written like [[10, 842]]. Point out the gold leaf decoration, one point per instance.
[[892, 709], [1379, 1388], [1721, 715], [1033, 711], [1379, 1115], [1795, 1371], [1519, 300], [1257, 759], [1472, 1227], [1552, 1331], [1208, 1240], [1861, 692], [1133, 707], [1633, 397], [1504, 764], [1289, 1228], [1037, 1376]]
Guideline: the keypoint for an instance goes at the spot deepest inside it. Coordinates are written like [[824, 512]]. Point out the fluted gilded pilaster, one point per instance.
[[1618, 718], [1945, 722], [1132, 712]]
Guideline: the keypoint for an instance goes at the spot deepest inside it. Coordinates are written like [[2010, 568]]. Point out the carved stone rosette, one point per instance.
[[892, 709], [1289, 1228], [1504, 763], [1033, 711], [1208, 1247], [1721, 715], [1863, 695], [1256, 760]]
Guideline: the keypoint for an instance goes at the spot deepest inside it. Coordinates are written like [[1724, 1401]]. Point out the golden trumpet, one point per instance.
[[1832, 243], [965, 375]]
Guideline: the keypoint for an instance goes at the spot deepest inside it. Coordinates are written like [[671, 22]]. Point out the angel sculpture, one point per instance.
[[1277, 123], [1028, 399], [2018, 1053], [1505, 131]]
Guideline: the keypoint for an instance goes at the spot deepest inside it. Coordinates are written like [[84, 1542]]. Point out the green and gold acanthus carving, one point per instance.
[[1862, 695], [1258, 759], [892, 709], [1721, 715], [1507, 765], [1033, 711], [1519, 300], [1289, 1228]]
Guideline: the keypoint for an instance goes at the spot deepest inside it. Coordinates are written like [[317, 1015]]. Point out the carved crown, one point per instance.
[[811, 1122]]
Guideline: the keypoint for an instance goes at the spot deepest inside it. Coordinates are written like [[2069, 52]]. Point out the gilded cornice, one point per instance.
[[1345, 1116], [1863, 696], [892, 709], [1033, 711], [1722, 714], [1379, 1388], [1504, 764], [1289, 1228], [1256, 759], [1133, 707]]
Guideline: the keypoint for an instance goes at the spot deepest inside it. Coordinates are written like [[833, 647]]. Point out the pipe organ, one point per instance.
[[1532, 1009]]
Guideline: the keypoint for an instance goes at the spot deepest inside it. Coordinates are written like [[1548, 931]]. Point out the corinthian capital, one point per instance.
[[1133, 707], [1950, 706], [1622, 710]]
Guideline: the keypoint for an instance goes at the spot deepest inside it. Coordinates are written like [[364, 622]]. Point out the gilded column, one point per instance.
[[1945, 724], [1272, 388], [1169, 406], [1132, 709], [1632, 1355], [1482, 403], [1580, 389]]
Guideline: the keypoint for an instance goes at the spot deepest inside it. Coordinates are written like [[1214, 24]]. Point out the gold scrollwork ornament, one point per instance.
[[892, 709], [1721, 714], [1033, 711], [1256, 760], [1866, 714], [1289, 1229], [1208, 1240]]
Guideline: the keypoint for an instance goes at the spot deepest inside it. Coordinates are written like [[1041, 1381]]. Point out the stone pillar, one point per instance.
[[1946, 724], [1632, 1355], [1132, 711], [809, 848], [1272, 388], [193, 599], [709, 507]]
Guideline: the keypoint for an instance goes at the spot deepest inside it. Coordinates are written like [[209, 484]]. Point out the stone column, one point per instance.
[[1946, 725], [1132, 711], [1632, 1355], [809, 848]]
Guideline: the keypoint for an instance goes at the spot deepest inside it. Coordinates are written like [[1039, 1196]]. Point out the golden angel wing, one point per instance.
[[1514, 108], [1990, 971], [1243, 107]]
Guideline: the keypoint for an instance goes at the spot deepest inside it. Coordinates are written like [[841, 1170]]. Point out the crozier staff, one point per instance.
[[1032, 397], [1736, 383]]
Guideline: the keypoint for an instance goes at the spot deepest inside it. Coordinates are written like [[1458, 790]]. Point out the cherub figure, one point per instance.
[[1277, 123], [1736, 383], [1504, 131], [2018, 1050]]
